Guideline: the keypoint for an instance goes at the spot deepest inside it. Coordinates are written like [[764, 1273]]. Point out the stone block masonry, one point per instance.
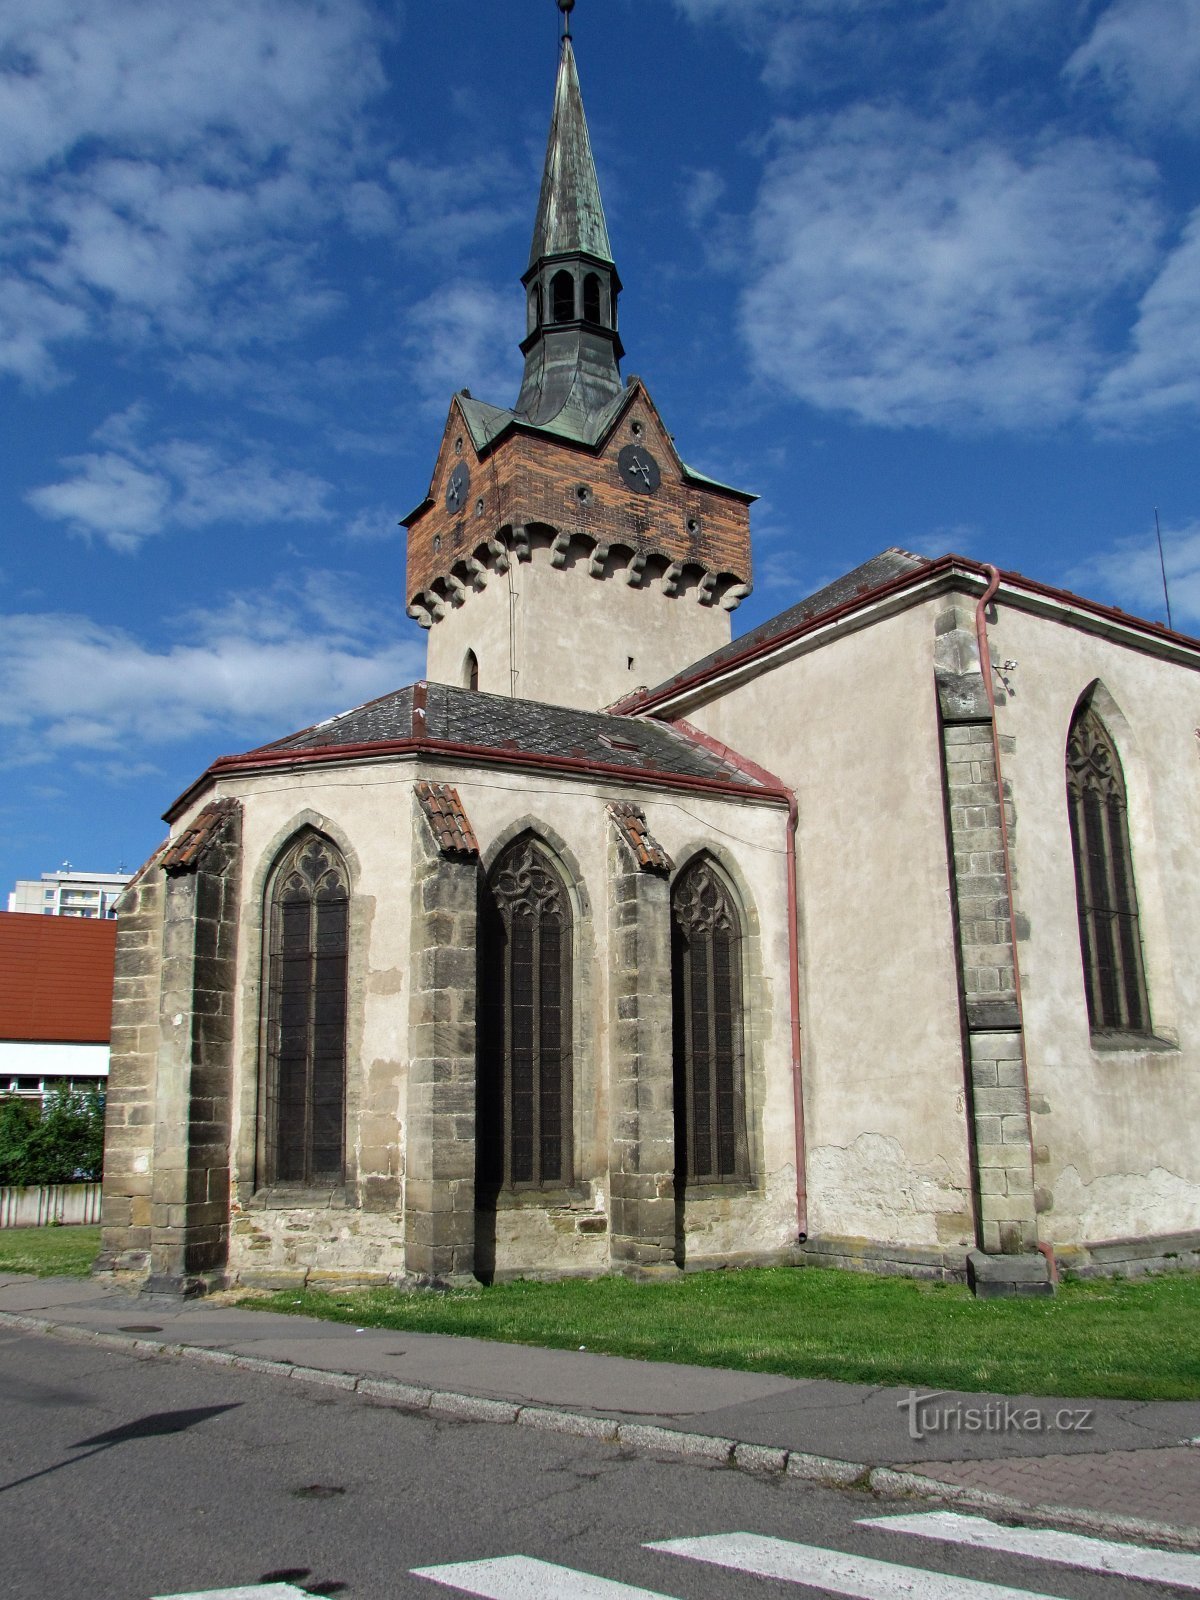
[[1002, 1154], [642, 1145], [132, 1075], [439, 1186], [168, 1119]]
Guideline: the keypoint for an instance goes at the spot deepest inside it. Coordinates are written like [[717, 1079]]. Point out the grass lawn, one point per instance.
[[1123, 1339], [49, 1252]]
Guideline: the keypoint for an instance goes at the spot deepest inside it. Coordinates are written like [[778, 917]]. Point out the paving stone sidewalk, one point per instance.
[[1131, 1469]]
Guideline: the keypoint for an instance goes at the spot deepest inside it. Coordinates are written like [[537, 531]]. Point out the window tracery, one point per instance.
[[524, 1101], [710, 1119], [309, 904], [1109, 933]]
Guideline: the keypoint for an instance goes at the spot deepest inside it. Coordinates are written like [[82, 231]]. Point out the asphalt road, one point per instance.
[[124, 1478]]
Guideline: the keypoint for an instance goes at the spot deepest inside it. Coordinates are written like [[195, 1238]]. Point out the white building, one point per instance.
[[68, 894]]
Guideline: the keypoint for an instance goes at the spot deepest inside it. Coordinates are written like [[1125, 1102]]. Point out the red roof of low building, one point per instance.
[[56, 978]]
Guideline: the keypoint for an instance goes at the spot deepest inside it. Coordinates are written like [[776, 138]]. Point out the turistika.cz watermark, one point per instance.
[[926, 1416]]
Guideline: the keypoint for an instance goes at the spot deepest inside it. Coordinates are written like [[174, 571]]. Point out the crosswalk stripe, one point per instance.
[[524, 1578], [256, 1591], [1065, 1549], [857, 1576]]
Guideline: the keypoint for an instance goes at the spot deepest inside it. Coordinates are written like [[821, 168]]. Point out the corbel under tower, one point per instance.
[[564, 552]]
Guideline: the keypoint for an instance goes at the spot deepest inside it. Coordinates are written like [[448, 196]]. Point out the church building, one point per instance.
[[618, 944]]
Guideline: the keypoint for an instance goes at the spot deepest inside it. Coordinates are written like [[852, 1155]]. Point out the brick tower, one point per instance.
[[565, 552]]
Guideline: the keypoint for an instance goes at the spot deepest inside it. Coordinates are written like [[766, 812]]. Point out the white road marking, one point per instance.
[[856, 1576], [523, 1578], [1065, 1549], [256, 1591]]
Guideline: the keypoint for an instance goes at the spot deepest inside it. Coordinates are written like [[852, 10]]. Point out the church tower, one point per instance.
[[565, 552]]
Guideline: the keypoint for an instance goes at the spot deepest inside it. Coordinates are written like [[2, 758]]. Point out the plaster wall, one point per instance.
[[1114, 1130], [281, 1236], [575, 639], [749, 842], [852, 728]]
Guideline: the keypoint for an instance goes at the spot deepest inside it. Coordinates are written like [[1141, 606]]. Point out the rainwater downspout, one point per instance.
[[793, 917], [985, 667]]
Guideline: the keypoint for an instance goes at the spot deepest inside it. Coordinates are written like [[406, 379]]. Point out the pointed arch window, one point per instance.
[[562, 297], [710, 1114], [1109, 934], [470, 670], [308, 914], [591, 297], [524, 1100]]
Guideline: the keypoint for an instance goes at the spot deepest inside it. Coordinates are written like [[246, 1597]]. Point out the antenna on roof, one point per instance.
[[1163, 568]]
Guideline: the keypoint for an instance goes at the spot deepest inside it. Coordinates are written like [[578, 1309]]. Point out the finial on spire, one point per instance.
[[566, 7]]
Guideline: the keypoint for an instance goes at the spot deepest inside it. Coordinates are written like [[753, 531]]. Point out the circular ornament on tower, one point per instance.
[[638, 468], [458, 487]]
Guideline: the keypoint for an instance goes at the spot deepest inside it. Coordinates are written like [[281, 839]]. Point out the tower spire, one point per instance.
[[572, 349]]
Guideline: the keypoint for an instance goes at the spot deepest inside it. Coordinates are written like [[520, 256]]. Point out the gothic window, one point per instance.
[[1104, 886], [524, 1100], [710, 1116], [562, 297], [470, 670], [308, 916], [591, 298]]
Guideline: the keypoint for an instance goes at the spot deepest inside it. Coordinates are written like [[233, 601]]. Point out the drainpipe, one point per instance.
[[794, 1006], [985, 667]]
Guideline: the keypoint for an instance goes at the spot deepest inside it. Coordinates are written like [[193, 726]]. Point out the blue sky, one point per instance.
[[919, 272]]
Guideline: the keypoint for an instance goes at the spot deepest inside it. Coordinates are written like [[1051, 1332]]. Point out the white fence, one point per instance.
[[50, 1202]]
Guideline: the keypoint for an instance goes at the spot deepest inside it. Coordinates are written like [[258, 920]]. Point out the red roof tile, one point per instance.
[[56, 978]]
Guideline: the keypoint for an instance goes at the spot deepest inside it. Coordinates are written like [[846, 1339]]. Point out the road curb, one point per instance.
[[637, 1437]]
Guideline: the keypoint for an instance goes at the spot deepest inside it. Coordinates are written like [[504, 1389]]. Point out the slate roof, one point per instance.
[[873, 574], [434, 713]]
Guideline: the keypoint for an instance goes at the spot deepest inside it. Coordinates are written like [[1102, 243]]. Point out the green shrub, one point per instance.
[[61, 1141]]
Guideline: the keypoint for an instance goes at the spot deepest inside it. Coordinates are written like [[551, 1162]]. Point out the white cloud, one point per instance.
[[825, 44], [164, 169], [108, 495], [453, 343], [1146, 54], [1162, 372], [911, 272], [1129, 574], [257, 667], [129, 492], [372, 525]]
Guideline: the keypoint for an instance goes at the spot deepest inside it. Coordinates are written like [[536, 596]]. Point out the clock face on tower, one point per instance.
[[638, 468], [458, 488]]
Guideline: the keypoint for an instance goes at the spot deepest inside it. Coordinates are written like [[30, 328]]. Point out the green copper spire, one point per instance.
[[572, 348], [570, 214]]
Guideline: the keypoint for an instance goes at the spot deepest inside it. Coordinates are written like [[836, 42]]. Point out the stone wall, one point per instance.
[[641, 1095], [132, 1075], [189, 1225], [439, 1187], [996, 1090]]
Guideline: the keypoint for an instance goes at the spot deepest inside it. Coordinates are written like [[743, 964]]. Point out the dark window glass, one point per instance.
[[591, 298], [710, 1118], [471, 671], [308, 913], [1108, 916], [524, 1100], [562, 297]]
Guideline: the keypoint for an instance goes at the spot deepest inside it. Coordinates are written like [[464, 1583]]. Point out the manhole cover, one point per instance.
[[318, 1491], [141, 1327]]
